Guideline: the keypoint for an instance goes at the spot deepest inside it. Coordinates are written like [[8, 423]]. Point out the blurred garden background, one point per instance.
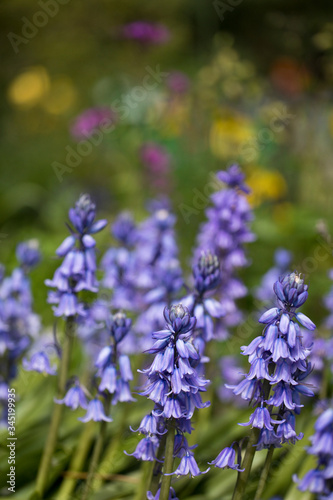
[[249, 83]]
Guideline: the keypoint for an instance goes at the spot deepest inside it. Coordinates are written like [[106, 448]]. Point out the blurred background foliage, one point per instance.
[[259, 93]]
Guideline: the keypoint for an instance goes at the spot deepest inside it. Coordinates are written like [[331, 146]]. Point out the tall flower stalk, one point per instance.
[[279, 362], [75, 273], [225, 234], [174, 386], [19, 325]]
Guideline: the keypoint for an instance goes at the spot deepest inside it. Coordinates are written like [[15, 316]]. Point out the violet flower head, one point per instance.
[[225, 234], [114, 368], [234, 178], [207, 276], [77, 271], [279, 362], [91, 120], [207, 273], [174, 386], [145, 32]]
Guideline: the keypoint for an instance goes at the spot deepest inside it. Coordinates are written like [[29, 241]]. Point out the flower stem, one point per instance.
[[243, 477], [68, 484], [44, 466], [97, 451], [168, 463], [157, 467], [264, 473]]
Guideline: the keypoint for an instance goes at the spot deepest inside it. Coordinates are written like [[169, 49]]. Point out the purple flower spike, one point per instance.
[[226, 458], [279, 357], [95, 412]]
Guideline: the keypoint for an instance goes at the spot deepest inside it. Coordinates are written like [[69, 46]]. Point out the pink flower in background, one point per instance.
[[157, 162], [178, 82], [145, 32], [91, 119], [155, 158]]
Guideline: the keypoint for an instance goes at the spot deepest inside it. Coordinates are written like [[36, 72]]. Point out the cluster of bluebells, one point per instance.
[[224, 234], [112, 378], [19, 325], [77, 271], [174, 386], [320, 479], [279, 362], [144, 272]]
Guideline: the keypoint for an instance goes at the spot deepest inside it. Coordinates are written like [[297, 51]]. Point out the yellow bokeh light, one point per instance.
[[265, 185], [28, 88], [228, 133]]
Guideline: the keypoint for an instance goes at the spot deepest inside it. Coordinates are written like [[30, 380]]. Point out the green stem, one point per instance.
[[168, 463], [146, 478], [243, 477], [264, 474], [45, 463], [97, 451], [76, 465], [157, 467]]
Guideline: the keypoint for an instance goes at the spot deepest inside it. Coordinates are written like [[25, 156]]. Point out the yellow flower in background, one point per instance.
[[30, 87], [265, 185], [228, 133]]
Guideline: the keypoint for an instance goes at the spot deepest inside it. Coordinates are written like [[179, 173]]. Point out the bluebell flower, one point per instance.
[[226, 459], [279, 362], [146, 449], [188, 465], [40, 363], [95, 412], [74, 398]]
